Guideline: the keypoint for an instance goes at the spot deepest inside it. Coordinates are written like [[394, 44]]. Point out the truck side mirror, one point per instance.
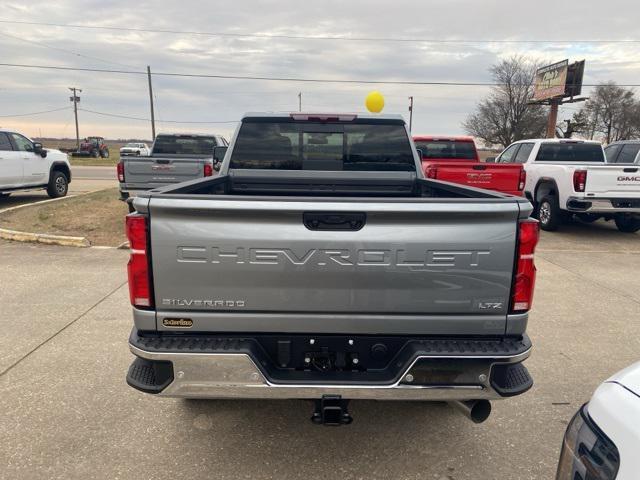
[[490, 160], [219, 153], [38, 150]]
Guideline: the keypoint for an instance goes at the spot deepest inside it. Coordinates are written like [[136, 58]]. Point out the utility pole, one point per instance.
[[153, 118], [299, 101], [410, 112], [75, 99]]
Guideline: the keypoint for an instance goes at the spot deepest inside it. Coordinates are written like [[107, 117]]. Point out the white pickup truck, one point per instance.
[[567, 177], [26, 165]]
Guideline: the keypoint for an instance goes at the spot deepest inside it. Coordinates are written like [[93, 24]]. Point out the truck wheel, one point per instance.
[[95, 153], [58, 185], [105, 153], [549, 213], [627, 223]]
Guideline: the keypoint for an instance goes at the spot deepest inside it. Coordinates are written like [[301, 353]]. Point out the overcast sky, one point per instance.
[[438, 109]]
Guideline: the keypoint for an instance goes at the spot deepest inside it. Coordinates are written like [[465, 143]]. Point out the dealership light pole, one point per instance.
[[153, 118], [75, 99], [410, 112]]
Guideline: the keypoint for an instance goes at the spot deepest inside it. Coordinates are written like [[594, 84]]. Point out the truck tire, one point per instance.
[[627, 223], [549, 213], [58, 185], [95, 153], [105, 153]]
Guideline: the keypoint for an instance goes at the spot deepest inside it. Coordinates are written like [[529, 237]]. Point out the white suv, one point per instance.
[[26, 165]]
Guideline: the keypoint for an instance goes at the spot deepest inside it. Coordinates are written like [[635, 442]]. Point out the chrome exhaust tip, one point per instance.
[[475, 410]]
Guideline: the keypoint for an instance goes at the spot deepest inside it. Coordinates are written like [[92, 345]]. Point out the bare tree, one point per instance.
[[505, 116], [611, 113]]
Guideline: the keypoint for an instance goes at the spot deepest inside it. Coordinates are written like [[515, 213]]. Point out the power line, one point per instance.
[[315, 37], [71, 52], [35, 113], [278, 79], [128, 117], [242, 77]]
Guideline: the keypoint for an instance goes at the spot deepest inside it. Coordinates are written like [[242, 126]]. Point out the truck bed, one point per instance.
[[321, 184]]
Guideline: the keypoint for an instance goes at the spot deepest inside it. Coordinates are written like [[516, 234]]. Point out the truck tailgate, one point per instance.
[[613, 181], [228, 262], [500, 177], [162, 170]]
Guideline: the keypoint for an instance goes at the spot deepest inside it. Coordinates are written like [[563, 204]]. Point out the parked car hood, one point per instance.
[[628, 378]]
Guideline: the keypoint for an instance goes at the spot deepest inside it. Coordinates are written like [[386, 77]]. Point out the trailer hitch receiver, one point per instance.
[[331, 410]]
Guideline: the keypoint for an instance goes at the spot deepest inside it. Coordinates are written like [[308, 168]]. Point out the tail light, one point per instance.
[[523, 180], [138, 266], [525, 269], [431, 172], [120, 169], [579, 180], [208, 170]]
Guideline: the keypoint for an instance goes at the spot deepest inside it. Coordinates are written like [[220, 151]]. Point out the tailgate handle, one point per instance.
[[630, 170], [479, 167], [162, 161], [334, 221]]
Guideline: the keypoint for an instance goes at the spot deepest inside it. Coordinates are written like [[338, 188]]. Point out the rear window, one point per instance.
[[447, 149], [322, 146], [570, 152], [611, 151], [183, 145], [628, 153]]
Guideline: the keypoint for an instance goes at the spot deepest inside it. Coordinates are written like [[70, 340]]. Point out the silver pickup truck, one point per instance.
[[320, 264], [174, 158]]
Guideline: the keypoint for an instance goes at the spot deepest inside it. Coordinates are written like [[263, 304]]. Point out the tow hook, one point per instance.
[[331, 410]]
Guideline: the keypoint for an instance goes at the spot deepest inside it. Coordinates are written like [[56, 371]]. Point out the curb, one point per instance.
[[63, 240], [46, 238]]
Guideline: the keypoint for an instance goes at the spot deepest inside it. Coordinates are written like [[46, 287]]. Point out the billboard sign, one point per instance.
[[550, 81], [575, 73]]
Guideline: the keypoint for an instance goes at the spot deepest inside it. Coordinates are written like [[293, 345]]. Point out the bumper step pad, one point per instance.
[[149, 376], [510, 380]]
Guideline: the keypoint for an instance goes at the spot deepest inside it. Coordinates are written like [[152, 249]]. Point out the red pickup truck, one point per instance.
[[455, 159]]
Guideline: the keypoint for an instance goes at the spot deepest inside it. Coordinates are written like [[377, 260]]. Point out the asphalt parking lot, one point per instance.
[[67, 412]]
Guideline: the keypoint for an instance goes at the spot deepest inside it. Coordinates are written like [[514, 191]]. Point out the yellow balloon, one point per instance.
[[374, 102]]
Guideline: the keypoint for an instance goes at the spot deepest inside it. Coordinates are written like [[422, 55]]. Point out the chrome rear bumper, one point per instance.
[[603, 205], [236, 375]]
